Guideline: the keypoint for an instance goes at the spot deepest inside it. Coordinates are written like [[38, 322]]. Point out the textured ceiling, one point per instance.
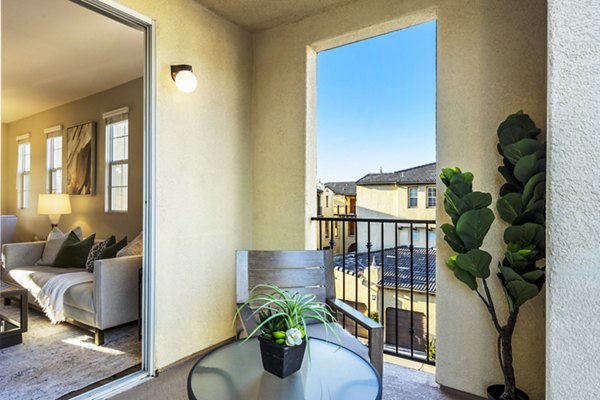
[[54, 52], [259, 15]]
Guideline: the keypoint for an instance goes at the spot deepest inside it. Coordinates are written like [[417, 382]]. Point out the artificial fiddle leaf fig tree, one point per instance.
[[521, 204]]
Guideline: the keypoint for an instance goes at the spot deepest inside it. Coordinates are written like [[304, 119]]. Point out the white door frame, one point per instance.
[[125, 15]]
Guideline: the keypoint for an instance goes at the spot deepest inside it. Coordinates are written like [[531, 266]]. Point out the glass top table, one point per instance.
[[235, 372]]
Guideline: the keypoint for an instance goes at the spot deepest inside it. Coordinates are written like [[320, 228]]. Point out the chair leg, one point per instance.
[[376, 349], [98, 337]]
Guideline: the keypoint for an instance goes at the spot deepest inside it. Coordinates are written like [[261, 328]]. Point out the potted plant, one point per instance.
[[282, 317], [521, 204]]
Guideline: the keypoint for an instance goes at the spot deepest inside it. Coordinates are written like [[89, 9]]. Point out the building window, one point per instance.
[[336, 232], [351, 228], [326, 201], [54, 159], [117, 160], [431, 238], [415, 235], [326, 229], [431, 196], [23, 172], [412, 197]]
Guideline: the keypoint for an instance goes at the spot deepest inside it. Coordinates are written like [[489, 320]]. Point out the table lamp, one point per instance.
[[54, 205]]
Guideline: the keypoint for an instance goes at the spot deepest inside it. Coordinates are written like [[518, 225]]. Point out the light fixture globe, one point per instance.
[[184, 78]]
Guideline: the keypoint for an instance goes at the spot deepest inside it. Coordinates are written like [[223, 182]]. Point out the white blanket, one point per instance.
[[51, 297]]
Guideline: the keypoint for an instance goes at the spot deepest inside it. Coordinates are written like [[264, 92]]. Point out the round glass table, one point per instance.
[[235, 372]]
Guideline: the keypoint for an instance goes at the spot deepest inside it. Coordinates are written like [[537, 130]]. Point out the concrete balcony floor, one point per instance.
[[402, 379]]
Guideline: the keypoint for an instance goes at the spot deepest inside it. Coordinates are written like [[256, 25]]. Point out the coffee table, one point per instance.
[[234, 372], [11, 332]]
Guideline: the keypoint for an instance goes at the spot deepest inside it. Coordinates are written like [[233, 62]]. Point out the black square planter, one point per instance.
[[279, 359]]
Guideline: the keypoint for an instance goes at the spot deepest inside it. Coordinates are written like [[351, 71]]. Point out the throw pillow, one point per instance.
[[96, 251], [53, 243], [134, 248], [111, 251], [74, 253]]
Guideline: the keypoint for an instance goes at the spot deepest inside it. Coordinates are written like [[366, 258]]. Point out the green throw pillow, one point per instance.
[[111, 251], [74, 253]]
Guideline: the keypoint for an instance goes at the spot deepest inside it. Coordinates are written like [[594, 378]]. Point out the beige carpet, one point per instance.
[[55, 360]]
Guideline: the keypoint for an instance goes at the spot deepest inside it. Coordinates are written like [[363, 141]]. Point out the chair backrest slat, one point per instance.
[[305, 272]]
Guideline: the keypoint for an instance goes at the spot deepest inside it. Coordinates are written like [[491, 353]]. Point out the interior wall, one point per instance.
[[491, 62], [3, 141], [573, 191], [203, 175], [88, 211]]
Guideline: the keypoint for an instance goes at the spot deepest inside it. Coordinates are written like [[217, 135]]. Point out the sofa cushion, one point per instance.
[[96, 252], [134, 248], [33, 279], [53, 244], [345, 339], [111, 251], [74, 253]]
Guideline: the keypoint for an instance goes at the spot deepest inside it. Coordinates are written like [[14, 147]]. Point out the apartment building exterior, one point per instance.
[[337, 199], [408, 194]]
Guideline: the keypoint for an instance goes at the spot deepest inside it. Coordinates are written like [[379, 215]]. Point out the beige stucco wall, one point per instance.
[[491, 62], [88, 211], [203, 173], [573, 167]]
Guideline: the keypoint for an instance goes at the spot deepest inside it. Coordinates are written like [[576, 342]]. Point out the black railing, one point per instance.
[[386, 258]]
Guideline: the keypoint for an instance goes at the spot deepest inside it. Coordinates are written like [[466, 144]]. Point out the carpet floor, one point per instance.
[[55, 360]]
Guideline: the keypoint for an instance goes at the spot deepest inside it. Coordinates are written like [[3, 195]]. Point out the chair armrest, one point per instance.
[[116, 290], [375, 330], [15, 255], [354, 315]]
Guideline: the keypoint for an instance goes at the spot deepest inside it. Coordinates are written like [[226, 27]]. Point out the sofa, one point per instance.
[[112, 299]]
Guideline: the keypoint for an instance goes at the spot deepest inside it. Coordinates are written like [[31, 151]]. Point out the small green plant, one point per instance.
[[374, 315], [282, 317], [431, 349]]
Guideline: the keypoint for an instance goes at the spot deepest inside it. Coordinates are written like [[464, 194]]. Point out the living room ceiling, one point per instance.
[[259, 15], [55, 52]]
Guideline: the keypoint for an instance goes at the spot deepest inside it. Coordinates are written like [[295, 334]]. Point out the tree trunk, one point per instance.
[[507, 359]]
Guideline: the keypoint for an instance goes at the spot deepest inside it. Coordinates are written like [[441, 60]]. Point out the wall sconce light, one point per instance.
[[184, 77]]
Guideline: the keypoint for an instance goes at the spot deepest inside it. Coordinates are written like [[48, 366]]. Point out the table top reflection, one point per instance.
[[234, 372]]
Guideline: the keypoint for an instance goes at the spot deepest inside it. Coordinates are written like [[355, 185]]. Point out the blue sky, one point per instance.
[[376, 104]]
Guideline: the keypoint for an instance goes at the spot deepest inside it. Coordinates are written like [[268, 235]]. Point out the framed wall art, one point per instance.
[[81, 159]]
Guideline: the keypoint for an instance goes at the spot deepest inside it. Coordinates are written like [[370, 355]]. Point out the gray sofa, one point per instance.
[[112, 298]]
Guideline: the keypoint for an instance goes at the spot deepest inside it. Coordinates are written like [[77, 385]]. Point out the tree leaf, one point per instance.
[[521, 291], [466, 278], [533, 276], [475, 200], [524, 147], [526, 235], [510, 207], [476, 262], [461, 184], [530, 186], [452, 238], [530, 165], [453, 205], [472, 227]]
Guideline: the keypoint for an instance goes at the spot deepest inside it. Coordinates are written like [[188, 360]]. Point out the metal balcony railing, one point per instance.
[[386, 269]]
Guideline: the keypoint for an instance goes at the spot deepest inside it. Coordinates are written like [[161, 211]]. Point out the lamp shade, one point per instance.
[[54, 204]]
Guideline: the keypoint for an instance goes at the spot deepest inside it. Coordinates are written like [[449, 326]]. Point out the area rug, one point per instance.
[[55, 360]]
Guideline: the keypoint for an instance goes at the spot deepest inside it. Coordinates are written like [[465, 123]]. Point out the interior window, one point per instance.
[[117, 161], [23, 173], [54, 162]]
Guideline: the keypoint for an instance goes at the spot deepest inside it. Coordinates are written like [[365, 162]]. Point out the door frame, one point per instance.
[[134, 19]]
